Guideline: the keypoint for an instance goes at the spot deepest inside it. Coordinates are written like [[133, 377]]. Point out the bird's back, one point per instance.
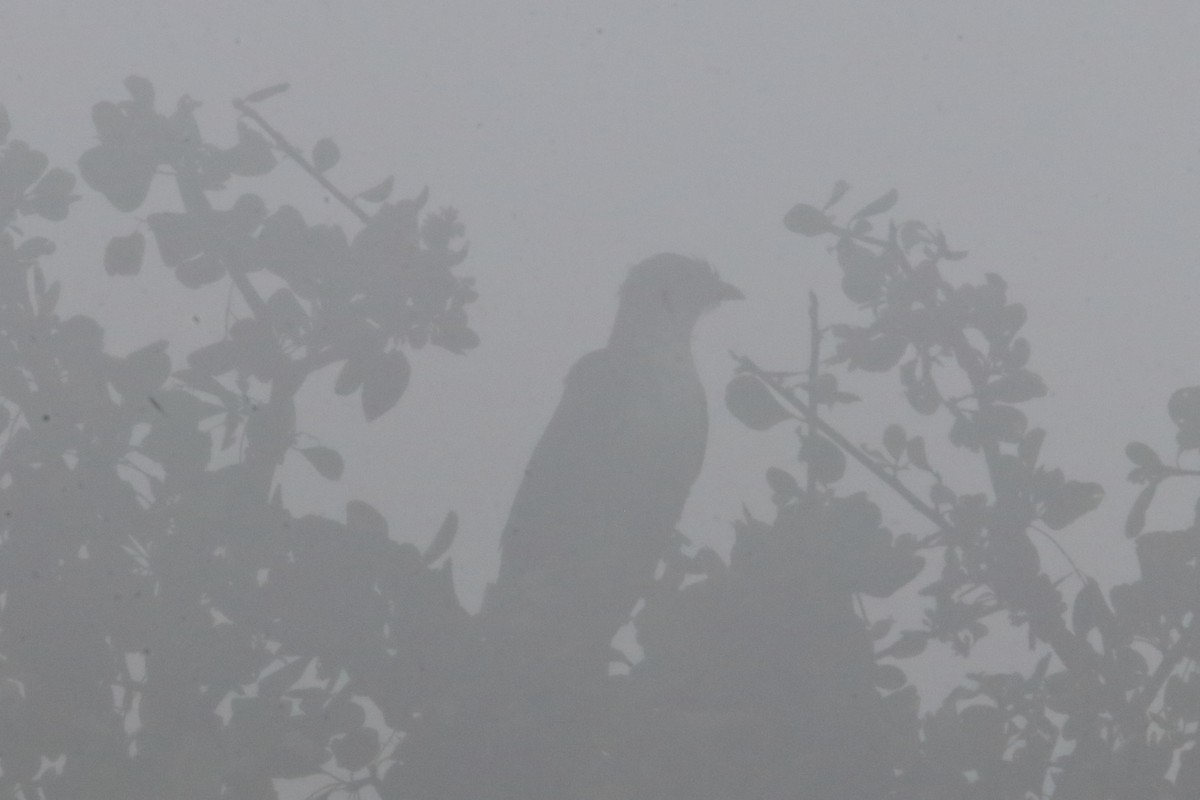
[[605, 485]]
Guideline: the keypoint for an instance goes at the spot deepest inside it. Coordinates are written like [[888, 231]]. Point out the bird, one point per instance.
[[595, 510], [608, 480]]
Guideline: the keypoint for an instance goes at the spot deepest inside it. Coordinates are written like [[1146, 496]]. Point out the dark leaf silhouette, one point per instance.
[[123, 255], [1030, 446], [442, 540], [1135, 522], [51, 196], [1070, 502], [783, 485], [379, 192], [1085, 612], [270, 91], [826, 461], [1143, 455], [325, 154], [915, 450], [878, 353], [1016, 387], [806, 220], [748, 399], [141, 89], [351, 375], [839, 191], [879, 205], [366, 519], [251, 155], [327, 461], [384, 381], [894, 441]]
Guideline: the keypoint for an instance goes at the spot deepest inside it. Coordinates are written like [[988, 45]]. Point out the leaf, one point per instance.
[[863, 270], [806, 220], [441, 540], [1143, 455], [5, 124], [1018, 353], [384, 383], [879, 353], [123, 177], [325, 154], [179, 236], [880, 628], [915, 449], [140, 89], [1070, 502], [214, 359], [753, 404], [1136, 521], [839, 190], [123, 254], [1039, 672], [34, 248], [284, 678], [910, 643], [1184, 407], [251, 155], [784, 487], [365, 518], [826, 461], [911, 234], [351, 376], [1030, 446], [1001, 423], [327, 461], [940, 494], [862, 284], [1015, 387], [878, 206], [51, 197], [1085, 613], [263, 94], [286, 314], [923, 397], [894, 441], [357, 749], [379, 192]]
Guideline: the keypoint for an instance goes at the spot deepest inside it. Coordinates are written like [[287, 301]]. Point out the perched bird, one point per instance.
[[608, 480], [602, 494]]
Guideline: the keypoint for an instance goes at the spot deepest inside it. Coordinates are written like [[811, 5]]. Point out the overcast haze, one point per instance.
[[1059, 144]]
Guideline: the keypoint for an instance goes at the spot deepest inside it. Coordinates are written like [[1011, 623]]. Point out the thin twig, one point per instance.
[[295, 154], [926, 510]]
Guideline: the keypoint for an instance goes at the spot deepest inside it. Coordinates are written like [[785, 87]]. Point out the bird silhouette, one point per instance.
[[608, 480], [599, 501]]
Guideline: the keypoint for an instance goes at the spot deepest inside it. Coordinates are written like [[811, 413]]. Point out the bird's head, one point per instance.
[[674, 287]]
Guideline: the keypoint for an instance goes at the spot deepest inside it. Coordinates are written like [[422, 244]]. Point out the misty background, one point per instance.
[[1058, 145]]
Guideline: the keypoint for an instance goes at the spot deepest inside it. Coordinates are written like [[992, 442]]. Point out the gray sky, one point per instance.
[[1059, 143]]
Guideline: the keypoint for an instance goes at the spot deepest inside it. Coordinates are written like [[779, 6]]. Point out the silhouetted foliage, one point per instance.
[[169, 630]]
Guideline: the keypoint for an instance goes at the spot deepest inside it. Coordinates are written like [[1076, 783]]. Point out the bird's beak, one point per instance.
[[727, 291]]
